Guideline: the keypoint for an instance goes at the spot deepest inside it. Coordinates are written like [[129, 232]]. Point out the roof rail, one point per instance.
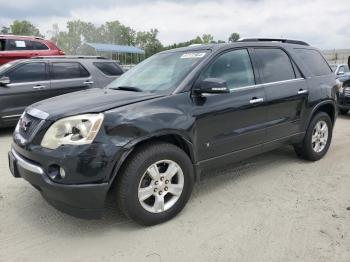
[[282, 40], [69, 57], [24, 36]]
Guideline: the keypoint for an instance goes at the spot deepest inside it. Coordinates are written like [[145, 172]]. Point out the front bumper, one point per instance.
[[85, 200], [343, 101]]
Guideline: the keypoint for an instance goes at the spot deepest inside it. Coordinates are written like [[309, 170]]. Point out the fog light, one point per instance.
[[56, 172], [62, 172]]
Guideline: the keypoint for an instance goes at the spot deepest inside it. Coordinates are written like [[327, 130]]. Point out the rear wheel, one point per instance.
[[317, 138], [155, 184]]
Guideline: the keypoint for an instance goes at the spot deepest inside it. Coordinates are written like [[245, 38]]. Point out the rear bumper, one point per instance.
[[85, 200]]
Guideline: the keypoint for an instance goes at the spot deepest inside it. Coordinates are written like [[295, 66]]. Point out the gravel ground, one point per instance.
[[273, 207]]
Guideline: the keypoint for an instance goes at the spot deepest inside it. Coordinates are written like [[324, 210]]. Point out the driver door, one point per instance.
[[230, 126]]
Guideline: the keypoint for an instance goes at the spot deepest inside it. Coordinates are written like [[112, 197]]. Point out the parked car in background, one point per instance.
[[342, 73], [24, 82], [152, 131], [13, 47]]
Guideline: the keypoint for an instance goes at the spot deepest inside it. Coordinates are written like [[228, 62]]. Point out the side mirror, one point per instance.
[[212, 86], [5, 80], [340, 73]]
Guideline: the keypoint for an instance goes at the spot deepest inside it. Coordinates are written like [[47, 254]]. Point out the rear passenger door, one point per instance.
[[286, 91], [67, 77]]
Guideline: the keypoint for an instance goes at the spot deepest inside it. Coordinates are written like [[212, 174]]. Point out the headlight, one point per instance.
[[75, 130], [340, 86]]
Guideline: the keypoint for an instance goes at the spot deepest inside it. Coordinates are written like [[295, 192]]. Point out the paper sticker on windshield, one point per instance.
[[192, 55]]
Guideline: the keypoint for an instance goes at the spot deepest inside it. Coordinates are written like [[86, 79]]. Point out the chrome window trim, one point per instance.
[[264, 84], [11, 116], [27, 165]]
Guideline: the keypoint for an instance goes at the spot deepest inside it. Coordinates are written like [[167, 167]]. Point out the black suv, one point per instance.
[[152, 132]]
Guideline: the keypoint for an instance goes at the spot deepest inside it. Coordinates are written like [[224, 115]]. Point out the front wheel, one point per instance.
[[317, 139], [155, 184]]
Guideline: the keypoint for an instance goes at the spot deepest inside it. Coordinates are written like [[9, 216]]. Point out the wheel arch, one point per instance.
[[328, 107], [172, 138]]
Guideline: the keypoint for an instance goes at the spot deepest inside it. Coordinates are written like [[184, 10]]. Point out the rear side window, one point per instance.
[[234, 67], [34, 45], [68, 70], [32, 72], [16, 45], [275, 65], [314, 61], [109, 68]]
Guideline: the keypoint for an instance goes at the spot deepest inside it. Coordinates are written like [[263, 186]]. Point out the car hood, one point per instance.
[[90, 101]]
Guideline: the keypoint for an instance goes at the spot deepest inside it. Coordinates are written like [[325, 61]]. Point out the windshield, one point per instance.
[[161, 72], [6, 66]]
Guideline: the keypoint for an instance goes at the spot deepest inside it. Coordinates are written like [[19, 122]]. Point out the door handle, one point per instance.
[[39, 87], [255, 100], [88, 82], [302, 91]]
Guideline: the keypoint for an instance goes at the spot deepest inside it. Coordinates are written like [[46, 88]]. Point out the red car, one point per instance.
[[14, 47]]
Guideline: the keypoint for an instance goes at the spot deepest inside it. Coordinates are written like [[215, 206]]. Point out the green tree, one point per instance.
[[149, 41], [207, 38], [24, 28], [5, 30], [234, 37]]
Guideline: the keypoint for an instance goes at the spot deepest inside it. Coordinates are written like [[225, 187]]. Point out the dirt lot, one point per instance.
[[274, 207]]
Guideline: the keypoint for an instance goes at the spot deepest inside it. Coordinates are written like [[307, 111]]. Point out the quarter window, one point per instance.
[[275, 65], [68, 70], [35, 45], [32, 72], [314, 61], [109, 68], [234, 67]]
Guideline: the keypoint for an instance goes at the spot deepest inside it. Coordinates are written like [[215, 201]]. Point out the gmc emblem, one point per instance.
[[25, 124]]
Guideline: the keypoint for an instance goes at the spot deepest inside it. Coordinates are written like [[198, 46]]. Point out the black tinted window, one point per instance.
[[34, 45], [275, 65], [67, 70], [234, 67], [2, 44], [16, 45], [314, 61], [109, 68], [28, 73]]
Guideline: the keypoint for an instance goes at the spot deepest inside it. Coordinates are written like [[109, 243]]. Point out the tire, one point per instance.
[[136, 178], [307, 149], [343, 111]]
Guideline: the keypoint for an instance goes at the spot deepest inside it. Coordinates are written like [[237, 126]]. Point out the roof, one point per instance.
[[21, 36], [116, 48]]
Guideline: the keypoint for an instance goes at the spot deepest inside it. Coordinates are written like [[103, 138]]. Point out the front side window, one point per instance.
[[68, 70], [234, 67], [275, 65], [160, 73], [32, 72], [2, 44]]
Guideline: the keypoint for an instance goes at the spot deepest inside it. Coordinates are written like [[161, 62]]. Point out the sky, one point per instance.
[[322, 23]]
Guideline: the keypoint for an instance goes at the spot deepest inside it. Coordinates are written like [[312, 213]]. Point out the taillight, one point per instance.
[[61, 52]]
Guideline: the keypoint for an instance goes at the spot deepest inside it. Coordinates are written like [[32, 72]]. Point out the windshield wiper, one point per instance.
[[127, 88]]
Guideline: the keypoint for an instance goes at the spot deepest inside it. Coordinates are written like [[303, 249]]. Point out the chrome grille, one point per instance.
[[347, 92], [28, 126]]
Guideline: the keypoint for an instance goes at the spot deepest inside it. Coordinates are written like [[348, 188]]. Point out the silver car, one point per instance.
[[24, 82]]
